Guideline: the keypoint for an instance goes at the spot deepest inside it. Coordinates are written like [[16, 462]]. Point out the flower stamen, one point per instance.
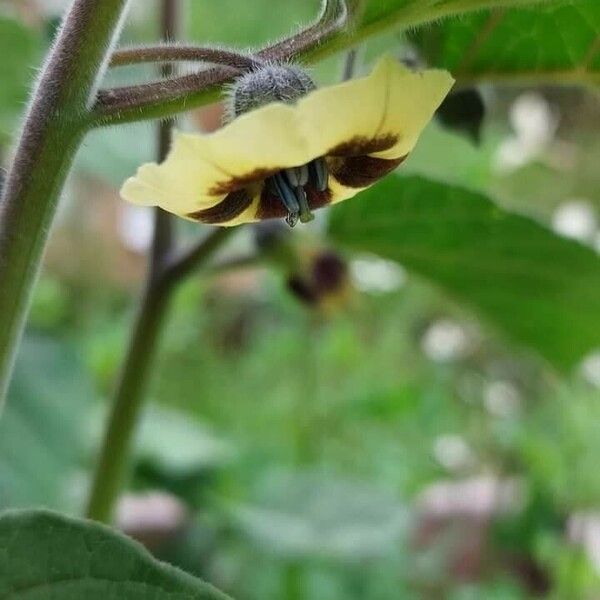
[[287, 194], [289, 185], [319, 174]]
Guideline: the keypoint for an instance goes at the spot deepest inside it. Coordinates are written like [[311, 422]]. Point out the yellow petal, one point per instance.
[[198, 166], [414, 96], [340, 192], [263, 139], [179, 184], [392, 100]]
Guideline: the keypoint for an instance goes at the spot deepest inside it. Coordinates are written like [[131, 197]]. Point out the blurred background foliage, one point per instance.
[[332, 426]]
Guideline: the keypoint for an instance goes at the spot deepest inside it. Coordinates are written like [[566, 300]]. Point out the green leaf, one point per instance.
[[549, 43], [46, 556], [19, 48], [541, 289]]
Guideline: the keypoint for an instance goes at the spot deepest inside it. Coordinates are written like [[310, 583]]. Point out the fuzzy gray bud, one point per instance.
[[270, 83]]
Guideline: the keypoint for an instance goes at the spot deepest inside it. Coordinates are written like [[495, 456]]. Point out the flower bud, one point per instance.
[[271, 83]]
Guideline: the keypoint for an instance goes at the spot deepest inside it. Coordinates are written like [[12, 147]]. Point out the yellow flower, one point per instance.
[[326, 147]]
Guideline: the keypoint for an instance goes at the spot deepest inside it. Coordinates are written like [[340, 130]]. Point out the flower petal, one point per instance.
[[414, 98], [392, 104], [201, 170], [178, 184]]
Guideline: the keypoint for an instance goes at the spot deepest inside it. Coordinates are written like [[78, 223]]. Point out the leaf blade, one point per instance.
[[46, 556], [543, 290], [549, 43]]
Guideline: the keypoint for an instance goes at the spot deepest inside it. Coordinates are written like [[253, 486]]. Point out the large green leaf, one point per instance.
[[46, 556], [19, 48], [549, 43], [541, 289]]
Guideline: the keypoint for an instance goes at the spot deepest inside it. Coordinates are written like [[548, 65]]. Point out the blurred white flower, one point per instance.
[[534, 120], [446, 341], [150, 515], [376, 275], [535, 123], [511, 155], [453, 452], [135, 227], [584, 528], [478, 497], [502, 399], [590, 369], [575, 219]]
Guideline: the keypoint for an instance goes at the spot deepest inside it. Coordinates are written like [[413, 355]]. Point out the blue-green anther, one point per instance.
[[319, 174], [305, 213], [287, 195]]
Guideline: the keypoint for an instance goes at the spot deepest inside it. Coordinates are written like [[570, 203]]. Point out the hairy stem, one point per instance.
[[53, 129], [180, 53], [165, 98]]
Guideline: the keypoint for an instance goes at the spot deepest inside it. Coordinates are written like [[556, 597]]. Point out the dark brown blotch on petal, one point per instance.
[[241, 181], [360, 145], [362, 171], [271, 207], [233, 205]]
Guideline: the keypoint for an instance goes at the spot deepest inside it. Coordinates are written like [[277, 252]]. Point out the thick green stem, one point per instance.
[[54, 126]]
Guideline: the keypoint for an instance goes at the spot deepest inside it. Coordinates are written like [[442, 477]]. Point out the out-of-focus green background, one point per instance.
[[384, 444]]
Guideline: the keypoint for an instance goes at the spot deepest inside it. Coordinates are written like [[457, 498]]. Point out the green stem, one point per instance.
[[54, 127]]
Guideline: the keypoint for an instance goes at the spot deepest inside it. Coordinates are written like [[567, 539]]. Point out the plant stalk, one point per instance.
[[55, 124]]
